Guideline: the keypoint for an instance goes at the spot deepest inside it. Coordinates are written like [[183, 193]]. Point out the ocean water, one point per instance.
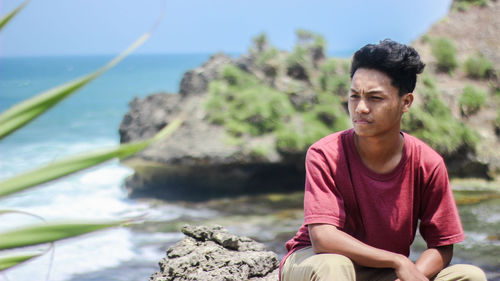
[[87, 120]]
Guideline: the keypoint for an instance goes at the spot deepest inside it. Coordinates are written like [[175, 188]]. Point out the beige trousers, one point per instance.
[[305, 265]]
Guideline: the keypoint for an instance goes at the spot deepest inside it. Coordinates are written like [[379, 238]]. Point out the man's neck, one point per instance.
[[382, 153]]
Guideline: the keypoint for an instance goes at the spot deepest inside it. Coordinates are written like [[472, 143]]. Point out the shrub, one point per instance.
[[425, 38], [471, 100], [331, 81], [298, 64], [260, 43], [325, 117], [429, 82], [444, 51], [268, 62], [478, 67], [309, 39], [434, 123], [244, 105], [265, 57], [327, 70]]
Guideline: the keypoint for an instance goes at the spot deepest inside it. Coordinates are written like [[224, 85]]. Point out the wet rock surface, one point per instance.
[[212, 253]]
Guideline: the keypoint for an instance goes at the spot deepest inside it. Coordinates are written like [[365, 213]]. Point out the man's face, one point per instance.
[[375, 106]]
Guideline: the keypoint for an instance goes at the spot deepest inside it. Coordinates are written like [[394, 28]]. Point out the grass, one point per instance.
[[444, 51], [244, 105], [471, 100], [478, 67]]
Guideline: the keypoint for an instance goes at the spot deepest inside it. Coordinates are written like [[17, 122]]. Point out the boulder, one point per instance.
[[213, 254]]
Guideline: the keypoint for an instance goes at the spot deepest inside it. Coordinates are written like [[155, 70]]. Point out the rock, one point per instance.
[[196, 81], [212, 254], [148, 116]]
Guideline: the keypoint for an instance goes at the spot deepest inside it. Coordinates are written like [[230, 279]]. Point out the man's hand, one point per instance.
[[406, 270], [328, 239]]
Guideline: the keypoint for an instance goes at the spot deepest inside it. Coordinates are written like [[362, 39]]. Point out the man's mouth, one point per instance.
[[362, 121]]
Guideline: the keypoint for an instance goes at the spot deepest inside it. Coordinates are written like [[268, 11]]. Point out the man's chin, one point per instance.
[[363, 132]]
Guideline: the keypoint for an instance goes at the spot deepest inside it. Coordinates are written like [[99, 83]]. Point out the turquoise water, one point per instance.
[[87, 120], [96, 110]]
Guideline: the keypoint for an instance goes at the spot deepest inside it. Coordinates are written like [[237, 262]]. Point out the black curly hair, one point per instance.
[[400, 62]]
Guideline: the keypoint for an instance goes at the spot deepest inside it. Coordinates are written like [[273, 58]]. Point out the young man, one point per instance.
[[367, 188]]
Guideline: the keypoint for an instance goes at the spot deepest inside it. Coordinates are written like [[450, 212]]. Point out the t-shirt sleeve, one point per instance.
[[439, 221], [322, 200]]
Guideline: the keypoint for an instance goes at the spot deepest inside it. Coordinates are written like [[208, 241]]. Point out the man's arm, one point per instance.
[[327, 238], [433, 260]]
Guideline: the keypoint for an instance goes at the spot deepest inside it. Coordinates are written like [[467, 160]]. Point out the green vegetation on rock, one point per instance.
[[324, 118], [478, 66], [463, 5], [330, 80], [444, 51], [471, 100], [433, 122], [244, 105]]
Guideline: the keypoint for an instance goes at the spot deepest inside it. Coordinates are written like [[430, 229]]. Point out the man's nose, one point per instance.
[[362, 107]]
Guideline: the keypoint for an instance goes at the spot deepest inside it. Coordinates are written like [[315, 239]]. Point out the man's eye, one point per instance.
[[376, 98], [354, 96]]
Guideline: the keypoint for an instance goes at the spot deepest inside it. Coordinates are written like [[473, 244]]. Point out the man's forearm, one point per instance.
[[328, 239], [434, 260]]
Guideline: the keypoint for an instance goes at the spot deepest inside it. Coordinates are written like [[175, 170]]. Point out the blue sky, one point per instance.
[[78, 27]]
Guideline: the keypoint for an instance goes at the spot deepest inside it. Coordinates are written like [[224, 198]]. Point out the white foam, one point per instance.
[[76, 256]]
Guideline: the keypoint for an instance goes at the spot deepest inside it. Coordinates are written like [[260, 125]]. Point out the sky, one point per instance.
[[89, 27]]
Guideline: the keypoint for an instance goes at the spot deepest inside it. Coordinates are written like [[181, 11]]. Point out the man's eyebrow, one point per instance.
[[375, 91], [370, 92]]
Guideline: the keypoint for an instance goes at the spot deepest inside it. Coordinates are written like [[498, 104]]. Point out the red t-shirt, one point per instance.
[[381, 210]]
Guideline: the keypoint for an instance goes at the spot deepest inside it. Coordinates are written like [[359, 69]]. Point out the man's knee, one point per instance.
[[330, 267], [462, 272], [306, 265]]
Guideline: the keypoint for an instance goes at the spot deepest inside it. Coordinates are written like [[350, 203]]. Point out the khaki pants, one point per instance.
[[305, 265]]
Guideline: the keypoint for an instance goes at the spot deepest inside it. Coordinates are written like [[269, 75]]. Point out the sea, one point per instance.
[[87, 120]]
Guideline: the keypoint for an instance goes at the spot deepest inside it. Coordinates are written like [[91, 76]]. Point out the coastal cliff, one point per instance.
[[249, 120]]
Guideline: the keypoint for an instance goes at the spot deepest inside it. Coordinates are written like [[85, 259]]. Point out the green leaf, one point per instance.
[[67, 166], [22, 113], [58, 169], [15, 259], [50, 232], [167, 130], [12, 14]]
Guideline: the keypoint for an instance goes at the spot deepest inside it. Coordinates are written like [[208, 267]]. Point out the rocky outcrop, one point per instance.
[[213, 254], [199, 161]]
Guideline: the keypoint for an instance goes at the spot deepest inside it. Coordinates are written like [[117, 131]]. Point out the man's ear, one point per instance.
[[407, 101]]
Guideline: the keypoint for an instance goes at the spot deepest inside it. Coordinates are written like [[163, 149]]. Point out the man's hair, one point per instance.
[[400, 62]]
